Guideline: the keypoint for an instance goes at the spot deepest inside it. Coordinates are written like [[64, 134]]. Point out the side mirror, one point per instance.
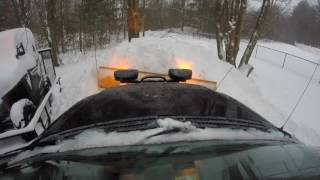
[[180, 74], [125, 76]]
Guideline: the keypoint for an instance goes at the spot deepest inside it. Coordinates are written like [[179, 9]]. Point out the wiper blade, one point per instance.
[[170, 131], [167, 131]]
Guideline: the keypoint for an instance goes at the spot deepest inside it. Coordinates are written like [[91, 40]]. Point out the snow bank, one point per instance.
[[295, 50], [281, 88], [160, 51], [310, 49], [169, 124]]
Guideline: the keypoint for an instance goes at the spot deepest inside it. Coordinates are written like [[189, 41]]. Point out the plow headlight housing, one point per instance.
[[180, 74], [125, 76]]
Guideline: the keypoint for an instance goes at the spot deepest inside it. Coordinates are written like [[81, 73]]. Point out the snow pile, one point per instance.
[[95, 138], [169, 124], [160, 51], [78, 80], [300, 50], [281, 88], [313, 50]]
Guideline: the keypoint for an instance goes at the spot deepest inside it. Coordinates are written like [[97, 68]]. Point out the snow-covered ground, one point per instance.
[[270, 90]]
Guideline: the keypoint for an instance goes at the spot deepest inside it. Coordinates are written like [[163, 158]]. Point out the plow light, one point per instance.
[[124, 76], [180, 74], [112, 77]]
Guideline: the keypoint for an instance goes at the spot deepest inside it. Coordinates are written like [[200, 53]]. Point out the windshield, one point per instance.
[[198, 160], [228, 66]]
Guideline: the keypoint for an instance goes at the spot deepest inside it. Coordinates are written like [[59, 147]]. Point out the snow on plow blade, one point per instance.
[[106, 78]]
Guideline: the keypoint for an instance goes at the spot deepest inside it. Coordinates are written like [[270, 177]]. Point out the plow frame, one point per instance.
[[106, 80]]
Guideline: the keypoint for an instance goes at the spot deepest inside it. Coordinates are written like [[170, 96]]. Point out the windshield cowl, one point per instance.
[[169, 131]]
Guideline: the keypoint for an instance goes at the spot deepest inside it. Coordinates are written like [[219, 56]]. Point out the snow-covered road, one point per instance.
[[270, 90]]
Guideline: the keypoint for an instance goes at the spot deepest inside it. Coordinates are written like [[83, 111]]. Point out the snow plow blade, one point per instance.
[[106, 78]]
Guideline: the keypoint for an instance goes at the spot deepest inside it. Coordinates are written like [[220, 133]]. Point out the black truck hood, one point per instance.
[[151, 99]]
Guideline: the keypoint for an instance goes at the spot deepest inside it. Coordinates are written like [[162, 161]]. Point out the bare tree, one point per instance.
[[219, 33], [46, 11], [62, 31], [256, 33], [183, 12], [229, 23], [52, 25], [81, 26], [135, 19], [143, 15], [22, 9], [16, 9], [124, 18], [318, 8]]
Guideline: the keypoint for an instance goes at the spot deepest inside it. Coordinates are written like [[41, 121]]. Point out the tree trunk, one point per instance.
[[80, 35], [133, 19], [219, 33], [160, 14], [183, 4], [81, 27], [25, 7], [62, 27], [42, 13], [124, 21], [256, 33], [16, 10], [229, 23], [51, 18], [239, 24], [143, 17]]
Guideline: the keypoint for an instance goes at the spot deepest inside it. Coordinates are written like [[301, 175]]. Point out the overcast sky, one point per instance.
[[254, 4]]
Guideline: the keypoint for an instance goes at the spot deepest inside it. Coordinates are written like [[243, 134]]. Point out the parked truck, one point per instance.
[[26, 78]]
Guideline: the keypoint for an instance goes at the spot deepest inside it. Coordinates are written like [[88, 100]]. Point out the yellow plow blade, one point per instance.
[[106, 78]]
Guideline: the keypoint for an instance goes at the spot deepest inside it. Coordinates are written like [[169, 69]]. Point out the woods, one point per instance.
[[82, 25]]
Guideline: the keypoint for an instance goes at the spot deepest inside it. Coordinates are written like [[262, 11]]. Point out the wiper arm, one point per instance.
[[169, 131], [181, 127]]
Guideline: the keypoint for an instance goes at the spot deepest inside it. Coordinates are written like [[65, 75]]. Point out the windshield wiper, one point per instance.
[[169, 131], [150, 122]]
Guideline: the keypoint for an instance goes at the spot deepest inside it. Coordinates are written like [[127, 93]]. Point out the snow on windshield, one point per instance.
[[94, 138]]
